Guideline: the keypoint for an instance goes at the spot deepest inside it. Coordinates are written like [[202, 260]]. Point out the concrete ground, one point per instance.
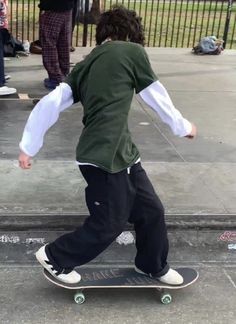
[[196, 181]]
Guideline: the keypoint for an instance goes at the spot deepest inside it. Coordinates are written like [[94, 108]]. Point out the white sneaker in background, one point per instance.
[[7, 77], [4, 91]]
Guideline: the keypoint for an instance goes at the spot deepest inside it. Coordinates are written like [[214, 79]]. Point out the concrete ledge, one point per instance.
[[68, 222], [193, 238], [187, 245]]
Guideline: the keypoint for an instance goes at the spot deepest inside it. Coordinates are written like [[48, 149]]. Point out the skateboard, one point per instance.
[[122, 278]]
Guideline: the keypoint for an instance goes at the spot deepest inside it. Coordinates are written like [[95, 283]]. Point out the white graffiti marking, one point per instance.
[[13, 239], [9, 239], [125, 238], [32, 240], [232, 246]]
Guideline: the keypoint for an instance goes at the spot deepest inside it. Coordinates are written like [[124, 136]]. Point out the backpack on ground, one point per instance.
[[35, 47], [209, 45]]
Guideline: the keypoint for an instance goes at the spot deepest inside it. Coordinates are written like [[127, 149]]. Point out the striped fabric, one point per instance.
[[55, 37]]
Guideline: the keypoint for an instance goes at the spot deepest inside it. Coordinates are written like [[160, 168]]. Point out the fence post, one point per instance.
[[85, 29], [227, 22]]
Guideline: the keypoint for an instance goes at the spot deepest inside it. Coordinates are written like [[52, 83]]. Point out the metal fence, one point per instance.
[[167, 23]]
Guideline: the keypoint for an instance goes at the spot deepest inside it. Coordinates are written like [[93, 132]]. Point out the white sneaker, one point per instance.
[[7, 77], [172, 277], [72, 277], [4, 91]]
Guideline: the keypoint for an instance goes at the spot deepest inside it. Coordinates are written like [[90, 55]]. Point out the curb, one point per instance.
[[67, 222]]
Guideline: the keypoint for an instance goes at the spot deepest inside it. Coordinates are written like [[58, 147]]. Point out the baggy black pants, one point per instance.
[[113, 200]]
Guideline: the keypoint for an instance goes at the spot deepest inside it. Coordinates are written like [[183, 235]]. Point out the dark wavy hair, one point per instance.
[[120, 23]]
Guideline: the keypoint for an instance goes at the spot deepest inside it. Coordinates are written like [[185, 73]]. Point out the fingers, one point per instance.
[[193, 132], [25, 164], [190, 136], [24, 161]]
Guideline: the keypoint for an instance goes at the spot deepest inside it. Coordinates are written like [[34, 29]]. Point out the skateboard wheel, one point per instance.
[[79, 298], [166, 299]]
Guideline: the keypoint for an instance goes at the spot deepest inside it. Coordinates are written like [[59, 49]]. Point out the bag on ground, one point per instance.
[[209, 45]]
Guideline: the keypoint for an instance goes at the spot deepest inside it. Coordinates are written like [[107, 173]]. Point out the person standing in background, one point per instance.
[[4, 90], [55, 25]]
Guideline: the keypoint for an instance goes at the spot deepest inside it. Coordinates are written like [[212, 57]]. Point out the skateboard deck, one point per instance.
[[122, 278]]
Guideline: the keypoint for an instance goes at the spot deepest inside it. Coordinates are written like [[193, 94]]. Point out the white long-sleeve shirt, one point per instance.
[[47, 111]]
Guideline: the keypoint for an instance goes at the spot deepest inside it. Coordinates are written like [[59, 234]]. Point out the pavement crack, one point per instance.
[[230, 279]]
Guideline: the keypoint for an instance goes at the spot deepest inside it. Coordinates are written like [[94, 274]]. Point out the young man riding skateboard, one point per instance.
[[118, 190]]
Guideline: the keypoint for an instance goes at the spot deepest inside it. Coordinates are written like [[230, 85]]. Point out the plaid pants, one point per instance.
[[55, 37]]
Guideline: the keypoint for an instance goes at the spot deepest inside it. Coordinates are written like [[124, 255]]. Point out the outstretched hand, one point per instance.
[[193, 132], [24, 161]]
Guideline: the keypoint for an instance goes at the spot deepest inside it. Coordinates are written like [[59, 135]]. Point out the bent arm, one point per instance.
[[156, 97], [43, 116]]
